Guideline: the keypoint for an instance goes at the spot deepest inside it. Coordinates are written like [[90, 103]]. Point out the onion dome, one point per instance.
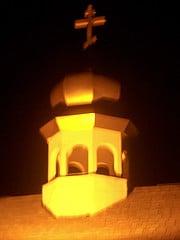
[[84, 88]]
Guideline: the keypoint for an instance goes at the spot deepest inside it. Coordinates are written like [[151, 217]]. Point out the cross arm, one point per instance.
[[98, 21], [82, 23]]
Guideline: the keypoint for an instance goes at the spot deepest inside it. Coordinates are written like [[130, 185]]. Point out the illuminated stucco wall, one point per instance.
[[82, 194], [54, 144]]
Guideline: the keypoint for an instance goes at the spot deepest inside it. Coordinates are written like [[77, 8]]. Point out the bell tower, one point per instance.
[[85, 173]]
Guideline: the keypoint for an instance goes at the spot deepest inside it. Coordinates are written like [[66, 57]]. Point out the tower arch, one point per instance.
[[105, 159], [77, 160]]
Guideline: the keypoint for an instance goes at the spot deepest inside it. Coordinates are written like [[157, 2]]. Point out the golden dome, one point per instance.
[[84, 88]]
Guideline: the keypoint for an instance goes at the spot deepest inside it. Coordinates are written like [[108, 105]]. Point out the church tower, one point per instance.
[[87, 170], [85, 148]]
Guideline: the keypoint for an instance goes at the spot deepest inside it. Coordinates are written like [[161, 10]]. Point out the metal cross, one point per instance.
[[89, 22]]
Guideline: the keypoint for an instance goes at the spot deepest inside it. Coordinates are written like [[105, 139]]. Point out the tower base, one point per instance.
[[83, 194]]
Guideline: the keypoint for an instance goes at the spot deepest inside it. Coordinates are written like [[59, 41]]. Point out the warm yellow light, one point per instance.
[[76, 122], [81, 23], [98, 21], [84, 88], [88, 143], [124, 155], [82, 194], [78, 92], [82, 98], [75, 195]]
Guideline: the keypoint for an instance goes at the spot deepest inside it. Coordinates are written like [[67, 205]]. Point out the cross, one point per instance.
[[89, 22]]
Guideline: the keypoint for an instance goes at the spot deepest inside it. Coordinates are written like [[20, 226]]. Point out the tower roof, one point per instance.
[[84, 88], [88, 121]]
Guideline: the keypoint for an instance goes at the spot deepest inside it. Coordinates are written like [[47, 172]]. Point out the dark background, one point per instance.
[[139, 46]]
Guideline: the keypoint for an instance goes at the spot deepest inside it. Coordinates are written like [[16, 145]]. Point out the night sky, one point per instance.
[[139, 46]]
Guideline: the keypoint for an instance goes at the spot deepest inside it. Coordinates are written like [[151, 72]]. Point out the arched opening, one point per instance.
[[78, 160], [105, 161]]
